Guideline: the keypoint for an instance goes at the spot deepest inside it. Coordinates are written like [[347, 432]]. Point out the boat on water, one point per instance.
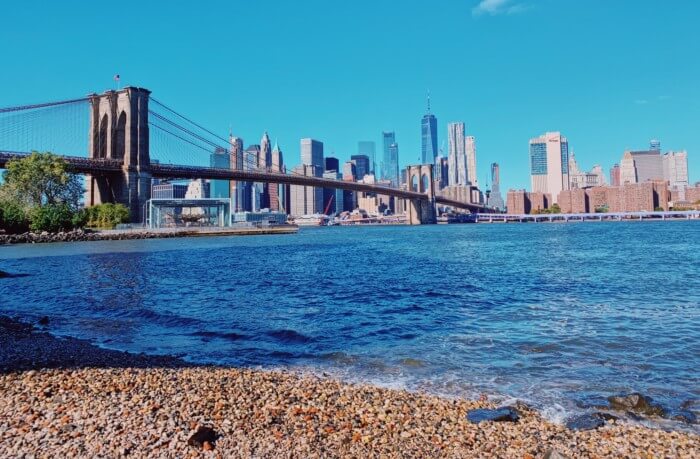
[[312, 220]]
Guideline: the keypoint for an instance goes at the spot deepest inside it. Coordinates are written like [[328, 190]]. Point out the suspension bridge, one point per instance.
[[121, 140]]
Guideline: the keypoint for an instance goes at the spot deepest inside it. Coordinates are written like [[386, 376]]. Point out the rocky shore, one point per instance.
[[115, 235], [78, 235], [66, 398]]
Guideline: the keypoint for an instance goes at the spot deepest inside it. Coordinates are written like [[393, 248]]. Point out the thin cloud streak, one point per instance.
[[495, 7]]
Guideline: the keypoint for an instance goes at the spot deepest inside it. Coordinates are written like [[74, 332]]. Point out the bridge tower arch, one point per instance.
[[119, 132], [421, 211]]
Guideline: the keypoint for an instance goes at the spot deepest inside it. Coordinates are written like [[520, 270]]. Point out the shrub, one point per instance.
[[52, 218], [14, 219], [106, 215]]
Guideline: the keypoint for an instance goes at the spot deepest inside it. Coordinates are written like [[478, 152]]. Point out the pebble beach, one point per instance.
[[64, 397]]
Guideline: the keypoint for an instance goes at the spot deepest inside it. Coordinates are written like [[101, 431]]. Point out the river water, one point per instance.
[[557, 315]]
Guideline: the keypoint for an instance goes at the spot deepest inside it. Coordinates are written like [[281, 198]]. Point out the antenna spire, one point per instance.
[[428, 100]]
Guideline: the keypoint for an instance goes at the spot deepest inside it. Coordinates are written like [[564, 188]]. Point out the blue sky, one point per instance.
[[609, 75]]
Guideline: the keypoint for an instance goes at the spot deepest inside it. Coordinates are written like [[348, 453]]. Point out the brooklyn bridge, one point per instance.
[[121, 140]]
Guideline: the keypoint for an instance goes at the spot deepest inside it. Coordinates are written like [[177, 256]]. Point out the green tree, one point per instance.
[[41, 179]]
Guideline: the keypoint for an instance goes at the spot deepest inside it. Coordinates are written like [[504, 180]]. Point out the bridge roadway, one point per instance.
[[170, 171]]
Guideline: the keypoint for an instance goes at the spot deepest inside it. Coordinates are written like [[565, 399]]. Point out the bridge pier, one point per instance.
[[119, 131], [421, 211]]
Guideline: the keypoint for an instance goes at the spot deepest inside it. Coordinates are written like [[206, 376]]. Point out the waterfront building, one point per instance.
[[630, 197], [312, 155], [615, 175], [549, 164], [368, 148], [237, 187], [332, 164], [495, 198], [523, 202], [457, 161], [470, 152], [361, 164], [220, 159], [306, 200], [429, 141], [168, 191]]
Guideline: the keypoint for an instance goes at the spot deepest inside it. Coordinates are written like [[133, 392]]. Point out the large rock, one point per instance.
[[636, 403], [203, 436], [506, 414], [586, 422]]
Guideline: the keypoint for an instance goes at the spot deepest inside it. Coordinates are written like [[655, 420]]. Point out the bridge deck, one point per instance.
[[171, 171]]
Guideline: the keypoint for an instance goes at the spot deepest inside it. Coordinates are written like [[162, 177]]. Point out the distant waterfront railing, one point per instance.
[[603, 216]]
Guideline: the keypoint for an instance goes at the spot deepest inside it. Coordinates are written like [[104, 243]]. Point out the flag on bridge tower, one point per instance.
[[116, 79]]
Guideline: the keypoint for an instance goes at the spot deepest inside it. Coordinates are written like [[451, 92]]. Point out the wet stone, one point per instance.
[[636, 403], [585, 422], [684, 416], [496, 415], [201, 436]]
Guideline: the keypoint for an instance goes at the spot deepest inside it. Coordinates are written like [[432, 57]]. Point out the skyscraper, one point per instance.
[[362, 164], [429, 142], [457, 164], [220, 159], [250, 194], [675, 166], [265, 164], [549, 164], [394, 164], [276, 191], [367, 147], [641, 166], [388, 138], [236, 164], [495, 198], [470, 152], [332, 164], [312, 154]]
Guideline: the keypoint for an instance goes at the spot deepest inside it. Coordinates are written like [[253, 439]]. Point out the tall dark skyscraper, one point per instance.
[[368, 148], [429, 142], [362, 165], [332, 164]]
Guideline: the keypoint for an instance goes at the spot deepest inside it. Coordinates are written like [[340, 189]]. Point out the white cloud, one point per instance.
[[641, 101], [494, 7]]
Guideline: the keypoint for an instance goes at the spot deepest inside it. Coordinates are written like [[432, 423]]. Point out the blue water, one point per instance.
[[557, 315]]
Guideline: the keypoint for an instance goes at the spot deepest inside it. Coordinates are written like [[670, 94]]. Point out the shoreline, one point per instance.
[[65, 395], [121, 235]]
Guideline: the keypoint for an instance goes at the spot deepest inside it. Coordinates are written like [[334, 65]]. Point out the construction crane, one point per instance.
[[328, 206]]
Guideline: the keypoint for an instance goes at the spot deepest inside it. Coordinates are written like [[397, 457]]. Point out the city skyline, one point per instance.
[[501, 106]]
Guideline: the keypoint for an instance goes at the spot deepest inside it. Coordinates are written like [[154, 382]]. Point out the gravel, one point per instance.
[[102, 403]]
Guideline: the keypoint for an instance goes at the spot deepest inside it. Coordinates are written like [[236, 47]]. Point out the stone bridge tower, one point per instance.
[[119, 131], [420, 179]]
